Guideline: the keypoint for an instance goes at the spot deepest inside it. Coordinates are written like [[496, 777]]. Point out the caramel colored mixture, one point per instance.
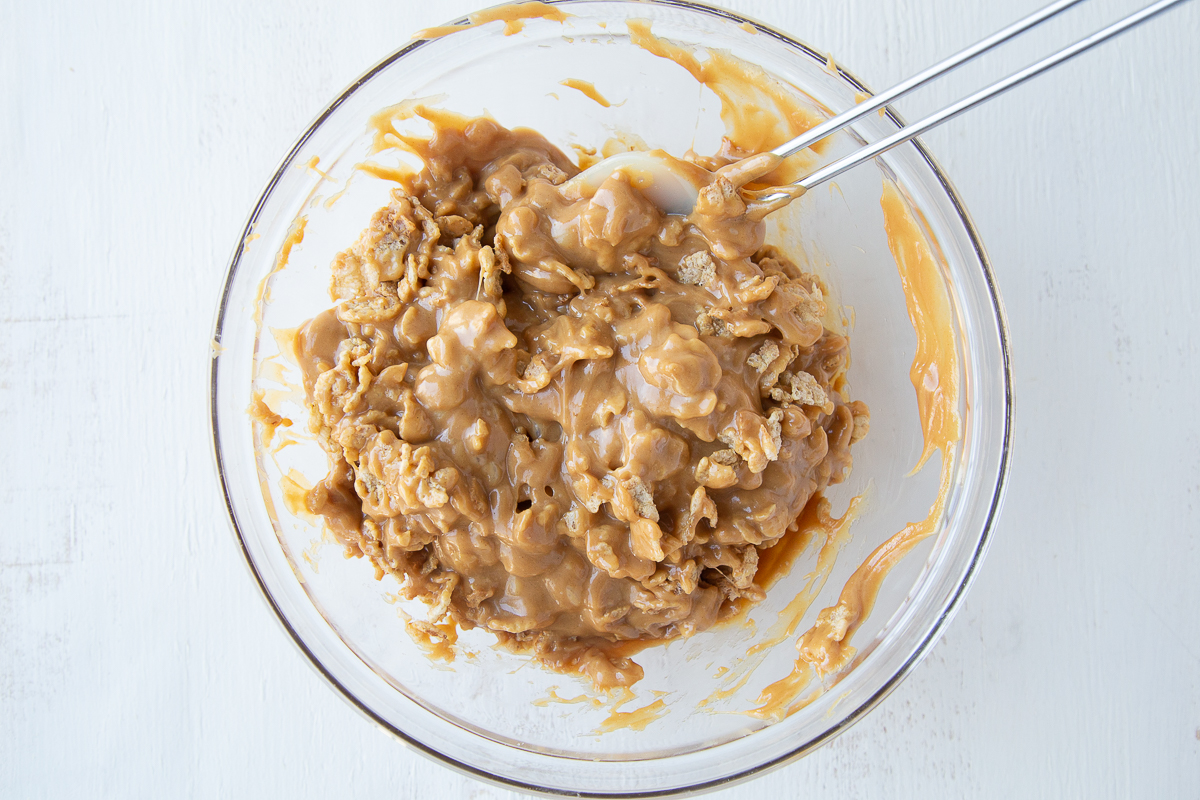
[[561, 415], [934, 376], [513, 15], [758, 111], [825, 648], [587, 89]]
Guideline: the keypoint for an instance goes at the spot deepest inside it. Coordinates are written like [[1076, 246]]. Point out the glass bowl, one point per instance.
[[686, 726]]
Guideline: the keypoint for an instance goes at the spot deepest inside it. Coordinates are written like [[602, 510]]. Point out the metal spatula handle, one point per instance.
[[904, 134], [939, 69]]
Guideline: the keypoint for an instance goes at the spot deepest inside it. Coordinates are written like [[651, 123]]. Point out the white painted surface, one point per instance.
[[136, 659]]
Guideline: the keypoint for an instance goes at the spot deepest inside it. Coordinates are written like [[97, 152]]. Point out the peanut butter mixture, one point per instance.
[[561, 415]]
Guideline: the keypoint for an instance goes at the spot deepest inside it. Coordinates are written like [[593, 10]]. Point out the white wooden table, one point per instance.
[[136, 658]]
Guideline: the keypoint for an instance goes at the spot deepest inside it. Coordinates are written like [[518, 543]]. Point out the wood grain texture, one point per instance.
[[136, 659]]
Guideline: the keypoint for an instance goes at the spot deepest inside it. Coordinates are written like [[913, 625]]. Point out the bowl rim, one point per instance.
[[922, 648]]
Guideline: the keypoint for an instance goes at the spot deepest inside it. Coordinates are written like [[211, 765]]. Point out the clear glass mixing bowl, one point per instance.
[[487, 711]]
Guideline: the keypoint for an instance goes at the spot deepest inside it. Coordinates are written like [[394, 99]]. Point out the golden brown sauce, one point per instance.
[[934, 372], [588, 90], [513, 16], [815, 526], [385, 136], [271, 370], [295, 488], [266, 421], [261, 413], [310, 557], [552, 696], [827, 644], [313, 163], [333, 198], [617, 698], [833, 534], [934, 376], [779, 700], [758, 111], [285, 341], [660, 392], [777, 562], [436, 639], [264, 401], [826, 647], [636, 720], [814, 522], [295, 236]]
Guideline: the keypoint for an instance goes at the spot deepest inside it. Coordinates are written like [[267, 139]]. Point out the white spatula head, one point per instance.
[[669, 183]]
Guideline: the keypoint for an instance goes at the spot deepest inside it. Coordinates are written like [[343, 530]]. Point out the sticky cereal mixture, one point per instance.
[[561, 415]]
